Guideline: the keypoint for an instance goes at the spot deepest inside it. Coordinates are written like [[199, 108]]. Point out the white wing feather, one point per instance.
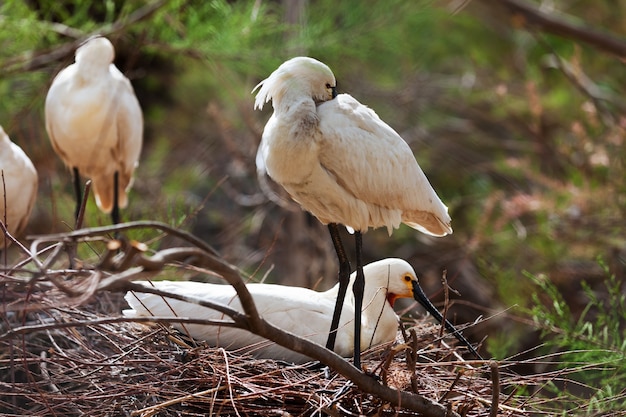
[[19, 182], [371, 162], [308, 316], [300, 311]]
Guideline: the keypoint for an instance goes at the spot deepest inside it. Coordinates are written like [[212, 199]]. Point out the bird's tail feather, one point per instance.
[[428, 223], [103, 191]]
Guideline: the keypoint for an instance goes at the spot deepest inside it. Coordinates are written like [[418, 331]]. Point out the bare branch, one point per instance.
[[259, 326], [138, 265], [526, 14], [84, 234], [495, 390], [34, 60], [108, 320]]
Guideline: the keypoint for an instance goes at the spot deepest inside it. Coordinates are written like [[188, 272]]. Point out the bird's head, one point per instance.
[[95, 50], [301, 76], [401, 282], [397, 275]]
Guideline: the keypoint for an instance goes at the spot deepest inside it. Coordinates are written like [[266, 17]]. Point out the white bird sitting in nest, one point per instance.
[[18, 187], [342, 163], [297, 310], [95, 124]]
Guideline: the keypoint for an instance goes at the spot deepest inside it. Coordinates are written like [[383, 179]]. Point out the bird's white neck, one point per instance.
[[89, 70]]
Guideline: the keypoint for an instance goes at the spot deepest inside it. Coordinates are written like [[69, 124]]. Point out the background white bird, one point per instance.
[[341, 162], [95, 124], [298, 310], [18, 187]]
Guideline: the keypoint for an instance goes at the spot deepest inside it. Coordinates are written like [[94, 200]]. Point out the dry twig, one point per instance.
[[91, 355]]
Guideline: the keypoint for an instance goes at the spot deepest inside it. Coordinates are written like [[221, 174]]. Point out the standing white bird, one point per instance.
[[300, 311], [341, 162], [18, 187], [95, 124]]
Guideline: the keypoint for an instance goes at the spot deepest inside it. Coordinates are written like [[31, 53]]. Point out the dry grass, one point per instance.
[[124, 368], [71, 354]]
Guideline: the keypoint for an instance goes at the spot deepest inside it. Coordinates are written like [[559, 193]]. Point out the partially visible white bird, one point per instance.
[[95, 124], [301, 311], [341, 162], [18, 187]]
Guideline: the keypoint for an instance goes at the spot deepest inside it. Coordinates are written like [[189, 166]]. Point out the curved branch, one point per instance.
[[551, 23], [83, 234], [139, 265], [259, 326], [239, 319], [107, 320], [251, 321], [34, 60]]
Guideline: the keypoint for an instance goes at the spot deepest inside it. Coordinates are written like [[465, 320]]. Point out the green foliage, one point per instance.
[[593, 345]]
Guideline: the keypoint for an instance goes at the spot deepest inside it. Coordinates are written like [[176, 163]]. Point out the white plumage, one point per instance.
[[342, 163], [338, 159], [19, 189], [95, 123], [301, 311]]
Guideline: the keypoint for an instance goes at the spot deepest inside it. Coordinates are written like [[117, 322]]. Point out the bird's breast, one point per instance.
[[290, 158]]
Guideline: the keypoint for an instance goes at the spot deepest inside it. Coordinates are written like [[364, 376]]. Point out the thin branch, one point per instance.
[[26, 329], [446, 301], [141, 265], [83, 234], [83, 205], [526, 14], [9, 236], [366, 383], [495, 389], [34, 60], [4, 220]]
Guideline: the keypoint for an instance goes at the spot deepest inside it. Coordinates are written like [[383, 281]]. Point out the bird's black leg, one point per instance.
[[78, 192], [71, 247], [358, 288], [344, 280], [115, 212]]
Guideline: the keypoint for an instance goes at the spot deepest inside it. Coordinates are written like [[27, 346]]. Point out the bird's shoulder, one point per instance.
[[15, 159], [349, 128], [277, 295], [201, 290], [20, 179], [120, 79], [64, 76], [362, 150], [26, 167], [346, 117]]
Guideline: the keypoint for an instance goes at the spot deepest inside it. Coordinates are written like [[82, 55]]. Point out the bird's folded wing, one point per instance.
[[370, 159]]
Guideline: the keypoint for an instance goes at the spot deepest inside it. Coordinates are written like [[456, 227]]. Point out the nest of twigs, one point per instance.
[[66, 350]]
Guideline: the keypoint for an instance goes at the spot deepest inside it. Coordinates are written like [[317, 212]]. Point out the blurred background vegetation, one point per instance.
[[515, 111]]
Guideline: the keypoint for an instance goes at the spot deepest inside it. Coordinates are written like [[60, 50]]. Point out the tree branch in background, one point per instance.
[[526, 15], [34, 60]]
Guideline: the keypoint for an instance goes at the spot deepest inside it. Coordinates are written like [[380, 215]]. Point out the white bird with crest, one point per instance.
[[298, 310], [95, 124], [342, 163]]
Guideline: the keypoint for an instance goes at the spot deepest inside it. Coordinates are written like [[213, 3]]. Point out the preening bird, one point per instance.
[[298, 310], [95, 124], [342, 163], [18, 187]]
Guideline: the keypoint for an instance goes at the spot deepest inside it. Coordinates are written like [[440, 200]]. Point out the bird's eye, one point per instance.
[[408, 278], [328, 85]]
